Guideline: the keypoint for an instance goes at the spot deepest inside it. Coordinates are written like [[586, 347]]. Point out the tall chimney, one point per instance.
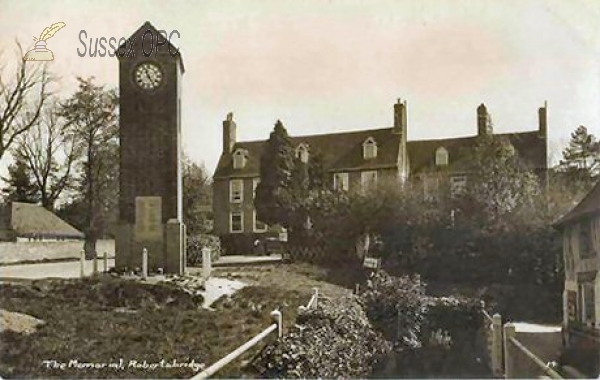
[[400, 117], [229, 133], [484, 121], [543, 120]]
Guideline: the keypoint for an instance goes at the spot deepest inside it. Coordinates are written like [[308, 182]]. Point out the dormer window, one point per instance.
[[369, 149], [239, 159], [302, 153], [441, 156]]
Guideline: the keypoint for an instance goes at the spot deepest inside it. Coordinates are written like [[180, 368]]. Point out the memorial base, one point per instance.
[[166, 251]]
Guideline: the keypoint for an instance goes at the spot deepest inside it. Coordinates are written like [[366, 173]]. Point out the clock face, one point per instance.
[[148, 76]]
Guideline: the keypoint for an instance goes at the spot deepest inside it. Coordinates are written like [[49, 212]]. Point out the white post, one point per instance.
[[82, 262], [509, 370], [497, 345], [357, 289], [206, 262], [316, 293], [276, 314], [144, 264], [105, 261], [95, 266]]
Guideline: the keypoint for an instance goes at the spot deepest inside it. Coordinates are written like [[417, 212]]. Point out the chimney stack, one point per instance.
[[484, 121], [543, 120], [229, 134], [400, 117]]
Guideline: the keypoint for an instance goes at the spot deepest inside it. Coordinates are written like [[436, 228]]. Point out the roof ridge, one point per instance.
[[323, 134]]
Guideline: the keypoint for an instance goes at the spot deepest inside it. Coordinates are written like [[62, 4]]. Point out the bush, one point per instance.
[[238, 244], [335, 340], [195, 245], [396, 307]]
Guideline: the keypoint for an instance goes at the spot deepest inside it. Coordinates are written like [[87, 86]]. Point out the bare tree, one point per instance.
[[21, 99], [50, 149]]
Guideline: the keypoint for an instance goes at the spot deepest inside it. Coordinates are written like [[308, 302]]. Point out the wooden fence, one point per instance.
[[493, 335], [514, 349], [276, 326]]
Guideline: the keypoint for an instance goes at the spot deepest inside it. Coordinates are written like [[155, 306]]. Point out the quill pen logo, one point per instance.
[[40, 52]]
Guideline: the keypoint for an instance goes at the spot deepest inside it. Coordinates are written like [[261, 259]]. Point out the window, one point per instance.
[[340, 181], [258, 225], [458, 185], [255, 183], [236, 222], [302, 153], [236, 190], [239, 159], [568, 254], [368, 178], [369, 149], [586, 248], [587, 302], [441, 156], [430, 188]]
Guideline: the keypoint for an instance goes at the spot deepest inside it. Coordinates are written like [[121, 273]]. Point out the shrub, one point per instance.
[[238, 244], [396, 307], [335, 340], [195, 245]]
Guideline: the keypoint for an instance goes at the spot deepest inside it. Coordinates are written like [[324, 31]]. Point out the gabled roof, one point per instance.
[[421, 153], [340, 152], [140, 32], [589, 205], [28, 220]]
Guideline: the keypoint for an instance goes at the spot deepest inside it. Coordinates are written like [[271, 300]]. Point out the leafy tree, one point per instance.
[[91, 112], [20, 185], [499, 181], [22, 98], [273, 200], [197, 198], [50, 149], [582, 154], [316, 172]]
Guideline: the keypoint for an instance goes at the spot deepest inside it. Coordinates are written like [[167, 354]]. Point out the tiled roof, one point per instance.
[[340, 151], [343, 151], [421, 153], [590, 205], [32, 220]]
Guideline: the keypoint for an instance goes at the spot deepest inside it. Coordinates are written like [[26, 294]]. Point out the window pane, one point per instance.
[[236, 222], [237, 190]]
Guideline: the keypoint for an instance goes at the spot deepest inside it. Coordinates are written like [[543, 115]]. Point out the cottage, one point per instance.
[[29, 222], [581, 253]]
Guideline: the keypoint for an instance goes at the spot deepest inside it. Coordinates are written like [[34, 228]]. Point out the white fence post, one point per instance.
[[105, 261], [206, 262], [82, 263], [509, 332], [497, 345], [144, 264], [95, 266], [316, 293], [276, 314]]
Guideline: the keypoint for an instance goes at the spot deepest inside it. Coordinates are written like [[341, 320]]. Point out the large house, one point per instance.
[[358, 159]]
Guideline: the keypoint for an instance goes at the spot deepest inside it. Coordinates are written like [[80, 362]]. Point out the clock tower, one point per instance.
[[150, 184]]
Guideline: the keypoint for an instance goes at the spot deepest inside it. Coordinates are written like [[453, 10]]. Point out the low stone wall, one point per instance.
[[51, 250]]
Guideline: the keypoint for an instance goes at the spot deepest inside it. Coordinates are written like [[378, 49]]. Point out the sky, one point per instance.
[[326, 66]]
